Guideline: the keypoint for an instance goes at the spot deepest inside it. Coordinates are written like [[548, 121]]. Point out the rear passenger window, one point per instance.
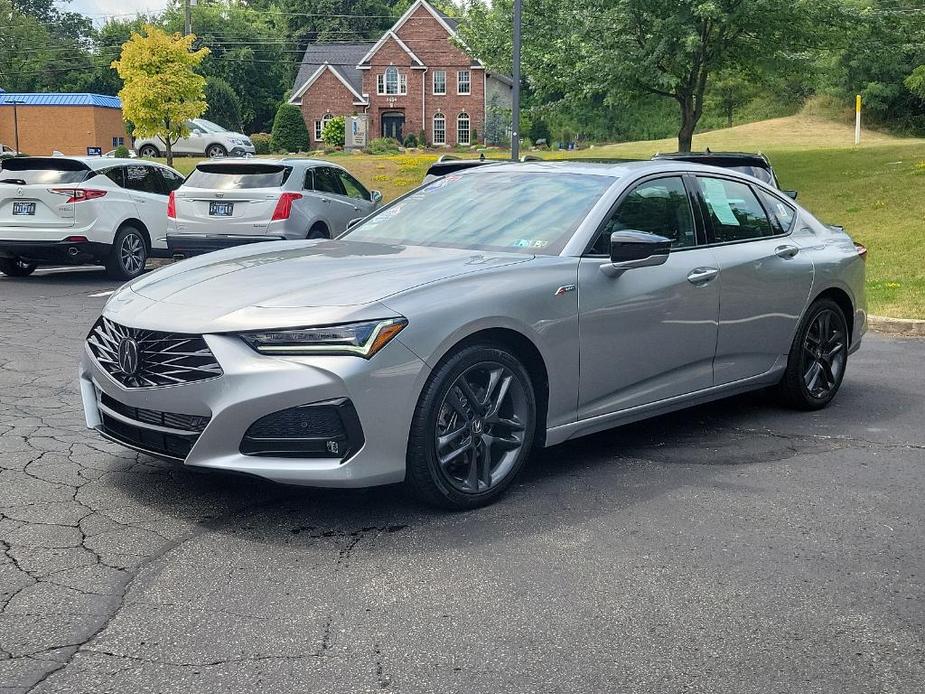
[[327, 181], [172, 181], [734, 211], [142, 178], [781, 214], [309, 180], [116, 174]]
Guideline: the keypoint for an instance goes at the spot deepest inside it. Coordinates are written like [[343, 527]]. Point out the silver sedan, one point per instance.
[[480, 317]]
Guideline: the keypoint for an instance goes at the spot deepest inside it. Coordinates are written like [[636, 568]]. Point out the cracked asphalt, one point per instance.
[[734, 548]]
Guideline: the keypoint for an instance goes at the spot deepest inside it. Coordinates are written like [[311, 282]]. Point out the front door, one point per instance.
[[649, 334], [392, 124]]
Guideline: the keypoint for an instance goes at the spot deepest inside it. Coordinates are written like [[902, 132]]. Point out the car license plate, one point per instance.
[[221, 209], [24, 208]]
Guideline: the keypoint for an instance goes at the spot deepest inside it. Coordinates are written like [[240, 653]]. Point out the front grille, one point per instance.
[[135, 433], [163, 359]]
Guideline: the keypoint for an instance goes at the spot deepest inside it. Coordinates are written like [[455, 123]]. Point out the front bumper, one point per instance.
[[383, 391], [189, 245]]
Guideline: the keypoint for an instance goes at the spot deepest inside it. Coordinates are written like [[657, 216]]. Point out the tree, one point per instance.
[[289, 131], [162, 90], [224, 104], [333, 132], [666, 48]]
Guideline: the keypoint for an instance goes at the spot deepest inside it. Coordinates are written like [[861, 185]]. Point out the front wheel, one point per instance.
[[472, 430], [148, 152], [216, 151], [818, 357], [16, 267], [129, 254]]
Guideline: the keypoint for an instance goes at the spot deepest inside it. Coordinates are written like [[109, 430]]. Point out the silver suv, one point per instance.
[[235, 201]]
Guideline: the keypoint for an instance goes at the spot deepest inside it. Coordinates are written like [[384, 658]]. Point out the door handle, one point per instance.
[[786, 251], [702, 275]]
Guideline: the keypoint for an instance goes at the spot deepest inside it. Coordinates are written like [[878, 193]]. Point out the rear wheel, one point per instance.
[[216, 151], [318, 231], [818, 357], [129, 254], [16, 267], [149, 152], [472, 430]]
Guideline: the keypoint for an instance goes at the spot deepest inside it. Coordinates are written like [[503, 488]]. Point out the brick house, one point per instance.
[[68, 123], [414, 78]]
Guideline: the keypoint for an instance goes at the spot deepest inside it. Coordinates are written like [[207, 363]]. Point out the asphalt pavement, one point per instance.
[[737, 547]]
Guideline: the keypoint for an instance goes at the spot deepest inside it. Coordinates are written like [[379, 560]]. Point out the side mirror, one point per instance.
[[792, 194], [353, 222], [631, 249], [375, 196], [197, 132]]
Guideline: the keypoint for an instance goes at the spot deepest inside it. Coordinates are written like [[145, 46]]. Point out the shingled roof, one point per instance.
[[342, 57]]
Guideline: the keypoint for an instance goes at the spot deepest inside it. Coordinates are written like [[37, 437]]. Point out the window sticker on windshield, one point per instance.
[[715, 193], [531, 243], [441, 183]]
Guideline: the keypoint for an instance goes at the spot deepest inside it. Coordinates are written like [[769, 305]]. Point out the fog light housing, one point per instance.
[[329, 429]]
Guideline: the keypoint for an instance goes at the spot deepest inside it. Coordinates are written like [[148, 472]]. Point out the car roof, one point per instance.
[[616, 169], [96, 163], [281, 161]]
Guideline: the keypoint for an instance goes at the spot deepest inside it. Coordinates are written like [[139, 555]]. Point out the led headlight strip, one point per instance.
[[361, 339]]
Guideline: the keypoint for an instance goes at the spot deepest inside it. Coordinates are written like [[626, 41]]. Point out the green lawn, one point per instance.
[[877, 190]]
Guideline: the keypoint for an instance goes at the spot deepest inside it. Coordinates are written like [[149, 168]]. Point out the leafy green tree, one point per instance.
[[224, 105], [162, 90], [333, 132], [24, 49], [289, 131], [666, 48]]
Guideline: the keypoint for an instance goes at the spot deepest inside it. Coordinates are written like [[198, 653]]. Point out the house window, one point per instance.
[[391, 82], [463, 83], [118, 142], [439, 129], [462, 128], [439, 81], [319, 126]]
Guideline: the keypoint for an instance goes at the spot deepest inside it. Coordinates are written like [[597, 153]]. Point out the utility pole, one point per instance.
[[188, 20], [16, 103], [515, 100]]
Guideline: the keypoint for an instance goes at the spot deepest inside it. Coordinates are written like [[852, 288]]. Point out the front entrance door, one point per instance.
[[392, 124]]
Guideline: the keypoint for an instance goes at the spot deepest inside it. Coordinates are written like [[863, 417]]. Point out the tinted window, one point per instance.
[[734, 211], [353, 187], [116, 174], [327, 181], [309, 180], [656, 207], [172, 180], [490, 209], [42, 171], [142, 178], [238, 176], [781, 214]]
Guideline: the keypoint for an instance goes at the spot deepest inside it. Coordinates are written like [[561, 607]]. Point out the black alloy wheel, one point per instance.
[[16, 267]]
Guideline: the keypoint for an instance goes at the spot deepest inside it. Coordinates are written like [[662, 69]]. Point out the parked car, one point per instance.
[[757, 165], [230, 202], [83, 210], [438, 342], [205, 139], [6, 152], [112, 153]]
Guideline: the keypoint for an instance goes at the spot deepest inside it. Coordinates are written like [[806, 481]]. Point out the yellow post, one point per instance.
[[857, 119]]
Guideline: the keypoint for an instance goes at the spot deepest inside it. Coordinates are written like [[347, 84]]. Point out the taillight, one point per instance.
[[284, 206], [861, 249], [172, 205], [78, 194]]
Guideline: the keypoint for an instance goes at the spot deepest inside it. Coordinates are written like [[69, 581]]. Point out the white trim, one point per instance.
[[407, 50], [459, 93], [381, 42], [296, 98], [468, 141], [433, 128], [433, 83]]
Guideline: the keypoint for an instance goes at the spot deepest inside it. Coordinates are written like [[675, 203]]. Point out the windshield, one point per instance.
[[758, 172], [489, 210], [207, 125], [238, 176], [25, 171]]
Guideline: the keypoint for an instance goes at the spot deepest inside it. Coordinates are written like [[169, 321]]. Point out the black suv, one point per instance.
[[756, 165]]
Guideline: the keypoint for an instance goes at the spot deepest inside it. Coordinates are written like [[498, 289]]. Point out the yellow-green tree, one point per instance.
[[162, 89]]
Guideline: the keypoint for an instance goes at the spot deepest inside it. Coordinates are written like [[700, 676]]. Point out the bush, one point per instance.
[[383, 145], [333, 132], [121, 152], [411, 140], [474, 136], [289, 131], [262, 142]]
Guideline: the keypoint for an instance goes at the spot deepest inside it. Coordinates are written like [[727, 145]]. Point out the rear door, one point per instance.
[[35, 194], [149, 195], [339, 208], [765, 277], [233, 198]]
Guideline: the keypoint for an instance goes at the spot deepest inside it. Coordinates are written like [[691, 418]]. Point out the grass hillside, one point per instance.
[[876, 190]]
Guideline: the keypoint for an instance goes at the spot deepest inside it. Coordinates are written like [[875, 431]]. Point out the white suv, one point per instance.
[[205, 138], [83, 210]]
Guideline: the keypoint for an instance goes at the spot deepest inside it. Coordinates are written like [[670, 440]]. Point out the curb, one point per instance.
[[912, 327]]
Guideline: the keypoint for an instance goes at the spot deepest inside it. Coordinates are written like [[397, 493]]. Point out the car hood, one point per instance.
[[275, 278]]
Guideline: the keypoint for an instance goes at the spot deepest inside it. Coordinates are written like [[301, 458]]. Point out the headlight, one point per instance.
[[238, 141], [359, 339]]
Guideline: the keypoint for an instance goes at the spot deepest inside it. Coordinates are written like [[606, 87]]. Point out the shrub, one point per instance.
[[411, 140], [383, 145], [262, 142], [333, 132], [474, 136], [224, 104], [289, 131], [121, 152]]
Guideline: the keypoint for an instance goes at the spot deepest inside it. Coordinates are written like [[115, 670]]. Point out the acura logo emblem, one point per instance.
[[128, 356]]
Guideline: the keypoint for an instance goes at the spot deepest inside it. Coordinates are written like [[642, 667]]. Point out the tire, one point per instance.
[[499, 441], [129, 254], [318, 231], [818, 357], [14, 267], [216, 150], [148, 152]]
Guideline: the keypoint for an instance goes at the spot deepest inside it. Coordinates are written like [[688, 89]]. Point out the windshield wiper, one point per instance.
[[14, 181]]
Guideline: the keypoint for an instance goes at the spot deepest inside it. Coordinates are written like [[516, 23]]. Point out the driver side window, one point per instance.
[[660, 206]]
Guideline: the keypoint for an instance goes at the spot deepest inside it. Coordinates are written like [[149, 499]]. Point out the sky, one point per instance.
[[97, 8]]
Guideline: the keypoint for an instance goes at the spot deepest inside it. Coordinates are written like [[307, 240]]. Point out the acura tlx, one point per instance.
[[477, 318]]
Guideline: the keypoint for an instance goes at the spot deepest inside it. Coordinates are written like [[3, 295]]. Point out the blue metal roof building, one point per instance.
[[59, 99]]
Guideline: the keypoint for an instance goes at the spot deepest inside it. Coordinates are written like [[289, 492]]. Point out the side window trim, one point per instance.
[[711, 236], [698, 234]]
